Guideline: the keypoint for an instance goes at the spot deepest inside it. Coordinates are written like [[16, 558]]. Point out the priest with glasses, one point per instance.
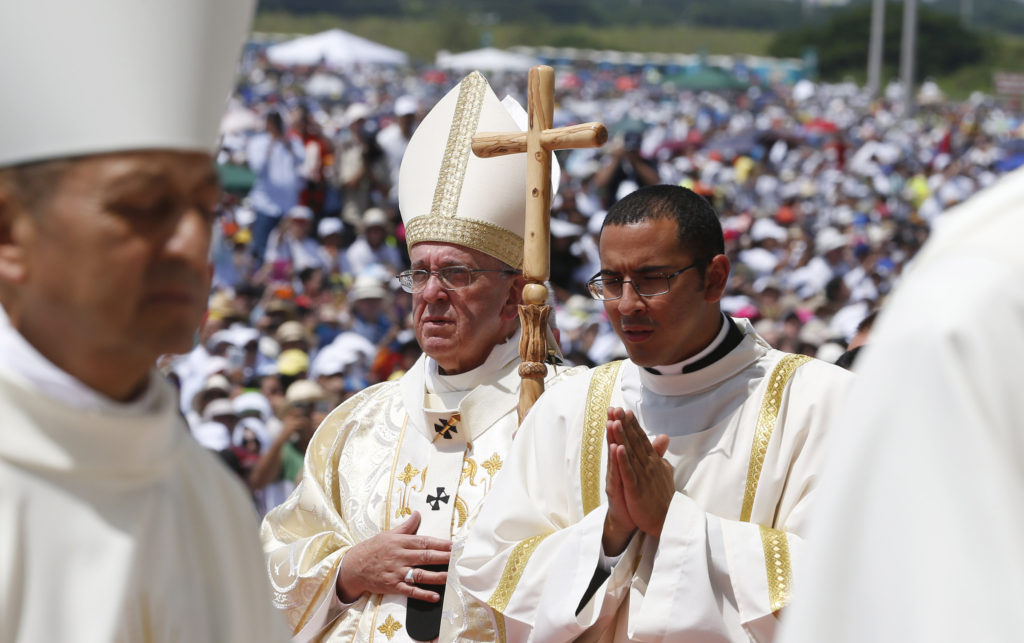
[[662, 497]]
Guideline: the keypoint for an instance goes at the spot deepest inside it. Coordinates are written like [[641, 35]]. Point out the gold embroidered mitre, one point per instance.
[[448, 194]]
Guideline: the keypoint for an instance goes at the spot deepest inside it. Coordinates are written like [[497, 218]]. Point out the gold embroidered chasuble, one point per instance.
[[377, 458], [745, 441]]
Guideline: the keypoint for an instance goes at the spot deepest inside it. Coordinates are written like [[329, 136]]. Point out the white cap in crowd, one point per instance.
[[329, 226], [406, 106]]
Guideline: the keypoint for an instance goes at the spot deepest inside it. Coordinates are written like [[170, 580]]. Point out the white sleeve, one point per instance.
[[711, 574], [917, 527], [532, 553]]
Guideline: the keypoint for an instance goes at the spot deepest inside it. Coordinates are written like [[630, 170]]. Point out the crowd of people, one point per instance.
[[825, 195], [357, 360]]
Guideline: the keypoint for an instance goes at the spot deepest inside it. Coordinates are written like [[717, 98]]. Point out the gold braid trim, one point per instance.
[[513, 572], [599, 397], [479, 235], [321, 590], [766, 421], [776, 557], [499, 627], [442, 224], [448, 189]]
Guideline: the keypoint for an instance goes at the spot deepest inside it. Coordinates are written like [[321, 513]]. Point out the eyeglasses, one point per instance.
[[645, 285], [451, 277]]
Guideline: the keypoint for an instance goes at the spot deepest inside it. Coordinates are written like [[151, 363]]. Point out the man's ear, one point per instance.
[[716, 278], [14, 226], [513, 297]]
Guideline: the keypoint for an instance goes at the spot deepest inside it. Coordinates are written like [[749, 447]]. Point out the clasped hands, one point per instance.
[[639, 482]]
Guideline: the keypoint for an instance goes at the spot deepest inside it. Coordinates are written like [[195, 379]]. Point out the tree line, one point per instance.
[[771, 15]]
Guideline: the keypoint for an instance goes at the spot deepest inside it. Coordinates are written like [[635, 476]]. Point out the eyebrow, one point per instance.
[[138, 178], [644, 270], [421, 265], [153, 178]]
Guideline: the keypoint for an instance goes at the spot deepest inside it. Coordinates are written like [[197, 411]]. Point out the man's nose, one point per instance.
[[432, 289], [631, 302], [189, 238]]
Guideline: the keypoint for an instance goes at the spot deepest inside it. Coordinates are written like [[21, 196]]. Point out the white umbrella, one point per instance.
[[325, 85], [239, 119]]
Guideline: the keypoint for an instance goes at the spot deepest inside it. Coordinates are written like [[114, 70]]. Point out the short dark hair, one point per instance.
[[275, 120], [698, 230]]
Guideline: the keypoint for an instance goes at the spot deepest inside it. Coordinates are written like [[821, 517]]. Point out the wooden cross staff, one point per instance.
[[538, 142]]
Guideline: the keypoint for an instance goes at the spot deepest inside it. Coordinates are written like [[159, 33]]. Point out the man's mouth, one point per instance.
[[637, 336], [636, 333]]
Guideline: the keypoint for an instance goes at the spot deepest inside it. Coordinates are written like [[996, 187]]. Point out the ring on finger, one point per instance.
[[410, 576]]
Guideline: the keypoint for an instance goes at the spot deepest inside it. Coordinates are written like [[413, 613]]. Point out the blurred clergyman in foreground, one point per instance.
[[115, 525]]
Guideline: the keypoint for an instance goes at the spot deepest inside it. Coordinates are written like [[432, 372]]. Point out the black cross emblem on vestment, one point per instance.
[[445, 428], [435, 501]]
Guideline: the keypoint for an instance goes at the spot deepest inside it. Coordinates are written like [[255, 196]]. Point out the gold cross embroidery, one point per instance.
[[389, 627], [406, 477], [492, 464]]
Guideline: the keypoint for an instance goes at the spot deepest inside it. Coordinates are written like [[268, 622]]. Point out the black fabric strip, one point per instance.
[[732, 339], [596, 581]]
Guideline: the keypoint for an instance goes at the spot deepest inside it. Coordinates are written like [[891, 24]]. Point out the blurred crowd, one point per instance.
[[825, 195]]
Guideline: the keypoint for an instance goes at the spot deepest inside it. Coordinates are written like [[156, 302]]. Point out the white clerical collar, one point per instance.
[[725, 360], [499, 357], [672, 369], [51, 380]]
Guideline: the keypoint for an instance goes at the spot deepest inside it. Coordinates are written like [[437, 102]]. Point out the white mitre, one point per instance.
[[446, 193], [92, 76]]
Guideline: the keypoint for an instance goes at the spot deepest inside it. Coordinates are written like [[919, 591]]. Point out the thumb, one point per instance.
[[409, 526], [660, 445]]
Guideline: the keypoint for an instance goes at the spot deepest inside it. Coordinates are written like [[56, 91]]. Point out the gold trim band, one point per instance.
[[448, 189], [777, 566], [513, 572], [766, 421], [599, 397], [499, 627], [480, 235]]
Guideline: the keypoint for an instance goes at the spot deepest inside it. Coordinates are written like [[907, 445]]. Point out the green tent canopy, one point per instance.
[[236, 179], [705, 79]]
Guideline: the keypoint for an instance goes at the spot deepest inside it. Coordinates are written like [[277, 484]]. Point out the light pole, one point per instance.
[[875, 48], [907, 55]]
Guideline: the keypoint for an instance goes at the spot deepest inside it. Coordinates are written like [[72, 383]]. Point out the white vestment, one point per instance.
[[919, 534], [715, 574], [116, 526], [377, 458]]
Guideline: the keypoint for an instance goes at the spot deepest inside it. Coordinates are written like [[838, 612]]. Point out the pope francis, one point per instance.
[[394, 476]]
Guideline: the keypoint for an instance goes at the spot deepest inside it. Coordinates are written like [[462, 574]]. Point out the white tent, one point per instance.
[[486, 59], [337, 48]]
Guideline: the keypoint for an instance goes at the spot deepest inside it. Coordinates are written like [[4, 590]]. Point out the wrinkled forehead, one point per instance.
[[154, 169], [436, 254]]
